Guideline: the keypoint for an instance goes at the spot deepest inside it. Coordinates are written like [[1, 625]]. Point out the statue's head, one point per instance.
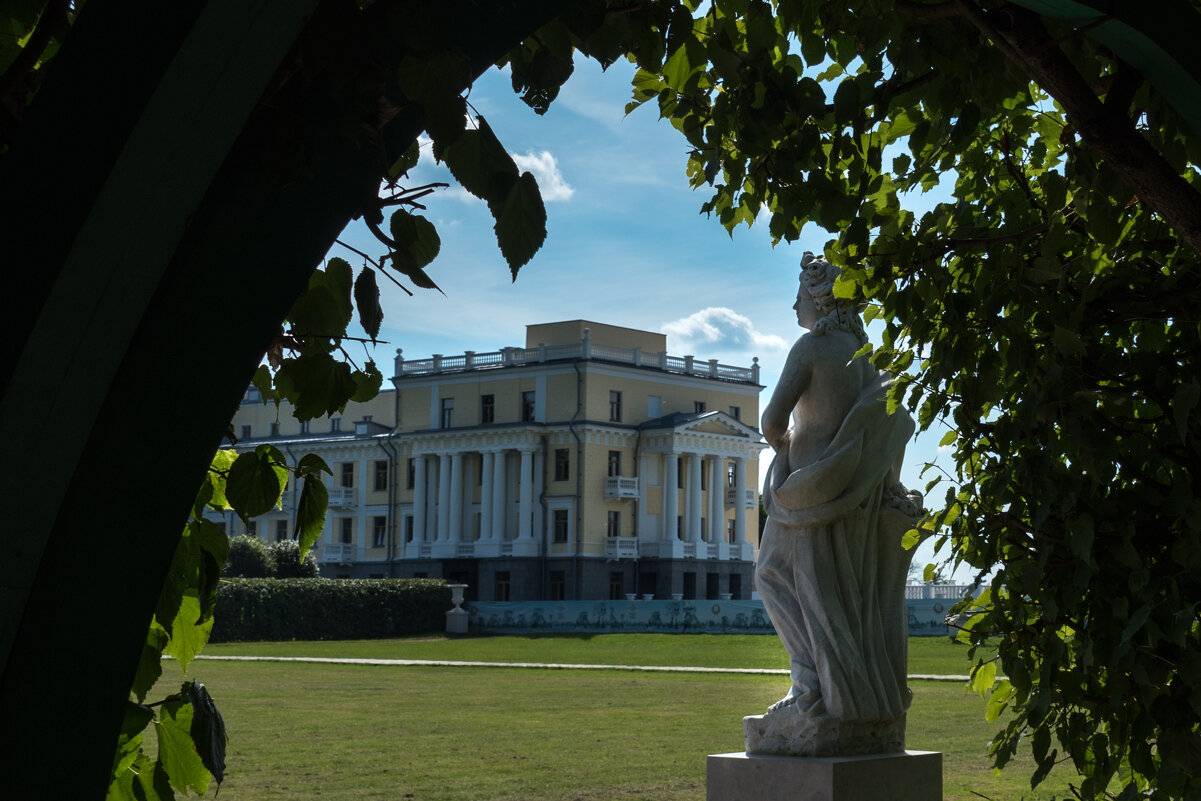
[[817, 281]]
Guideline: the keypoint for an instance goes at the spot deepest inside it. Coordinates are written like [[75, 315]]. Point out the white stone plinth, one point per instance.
[[456, 621], [906, 776]]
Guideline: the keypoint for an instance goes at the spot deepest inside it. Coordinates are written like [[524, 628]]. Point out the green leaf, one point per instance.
[[984, 676], [262, 382], [417, 241], [480, 163], [947, 438], [317, 384], [687, 61], [1183, 402], [176, 749], [213, 545], [912, 538], [1044, 767], [521, 223], [407, 161], [367, 383], [1067, 342], [254, 485], [928, 572], [366, 299], [310, 511], [998, 700], [150, 662], [188, 637], [312, 463], [207, 730]]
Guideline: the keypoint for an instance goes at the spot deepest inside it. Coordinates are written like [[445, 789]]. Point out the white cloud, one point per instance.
[[546, 170], [722, 330]]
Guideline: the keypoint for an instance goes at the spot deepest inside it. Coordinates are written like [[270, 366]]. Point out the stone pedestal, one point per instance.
[[457, 618], [906, 776]]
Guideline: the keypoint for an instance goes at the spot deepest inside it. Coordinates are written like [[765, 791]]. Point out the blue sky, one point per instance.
[[626, 246]]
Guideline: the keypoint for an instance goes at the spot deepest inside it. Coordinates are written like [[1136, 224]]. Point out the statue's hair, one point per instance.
[[817, 279]]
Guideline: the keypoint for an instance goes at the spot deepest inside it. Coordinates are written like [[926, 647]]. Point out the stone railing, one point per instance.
[[621, 547], [338, 552], [618, 487], [585, 349], [951, 592]]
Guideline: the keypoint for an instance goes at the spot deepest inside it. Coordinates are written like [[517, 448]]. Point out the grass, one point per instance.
[[927, 655], [457, 734]]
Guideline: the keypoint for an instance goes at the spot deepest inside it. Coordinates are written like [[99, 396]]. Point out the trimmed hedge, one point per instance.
[[328, 609]]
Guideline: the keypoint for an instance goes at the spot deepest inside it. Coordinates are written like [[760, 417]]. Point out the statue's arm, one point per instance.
[[794, 380]]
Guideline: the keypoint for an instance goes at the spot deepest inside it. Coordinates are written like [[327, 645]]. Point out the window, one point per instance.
[[614, 406], [410, 473], [736, 586], [704, 473], [347, 474], [712, 586], [347, 527], [379, 531], [614, 524], [501, 592], [558, 585], [381, 475], [305, 425], [409, 528], [731, 475], [617, 585], [654, 404], [448, 412], [562, 464], [335, 424], [487, 408], [690, 586], [731, 533], [275, 429], [252, 528], [245, 432], [560, 526], [281, 530], [614, 463], [736, 412], [527, 407], [698, 407], [479, 469]]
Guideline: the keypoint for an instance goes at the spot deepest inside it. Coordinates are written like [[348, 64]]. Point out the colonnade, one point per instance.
[[689, 528]]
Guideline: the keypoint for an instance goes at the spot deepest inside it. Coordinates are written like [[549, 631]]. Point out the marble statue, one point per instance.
[[831, 568]]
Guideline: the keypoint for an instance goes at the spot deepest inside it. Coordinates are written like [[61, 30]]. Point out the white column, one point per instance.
[[739, 501], [486, 496], [443, 497], [456, 497], [431, 502], [525, 504], [539, 473], [469, 474], [671, 496], [694, 497], [643, 459], [499, 487], [717, 511], [419, 500]]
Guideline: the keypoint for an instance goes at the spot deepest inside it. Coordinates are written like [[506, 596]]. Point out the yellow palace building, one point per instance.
[[589, 464]]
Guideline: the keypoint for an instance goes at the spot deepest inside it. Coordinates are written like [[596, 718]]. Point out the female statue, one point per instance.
[[831, 569]]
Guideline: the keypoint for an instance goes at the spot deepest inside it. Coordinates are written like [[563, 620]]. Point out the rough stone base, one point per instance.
[[907, 776], [787, 731]]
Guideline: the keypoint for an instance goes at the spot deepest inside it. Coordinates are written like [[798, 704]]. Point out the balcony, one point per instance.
[[620, 488], [731, 493], [621, 548], [341, 553], [342, 498]]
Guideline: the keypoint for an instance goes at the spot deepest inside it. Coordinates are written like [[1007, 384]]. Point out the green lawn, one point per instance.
[[936, 655], [365, 732]]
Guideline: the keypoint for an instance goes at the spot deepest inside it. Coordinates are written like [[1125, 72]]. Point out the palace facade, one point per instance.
[[589, 464]]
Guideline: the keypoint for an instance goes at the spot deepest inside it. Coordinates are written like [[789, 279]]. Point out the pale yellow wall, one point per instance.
[[260, 416], [674, 398], [572, 331]]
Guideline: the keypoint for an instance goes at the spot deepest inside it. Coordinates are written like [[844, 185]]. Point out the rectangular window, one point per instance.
[[410, 473], [731, 533], [275, 429], [698, 407], [614, 406], [736, 587], [527, 407], [379, 531], [409, 528], [614, 464], [731, 475], [690, 586], [448, 412], [381, 475], [562, 464], [614, 529], [245, 432], [305, 426], [712, 586], [617, 585], [281, 530], [487, 408], [560, 527], [252, 528], [347, 474], [335, 424], [736, 412], [502, 586], [654, 404], [558, 585], [347, 529]]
